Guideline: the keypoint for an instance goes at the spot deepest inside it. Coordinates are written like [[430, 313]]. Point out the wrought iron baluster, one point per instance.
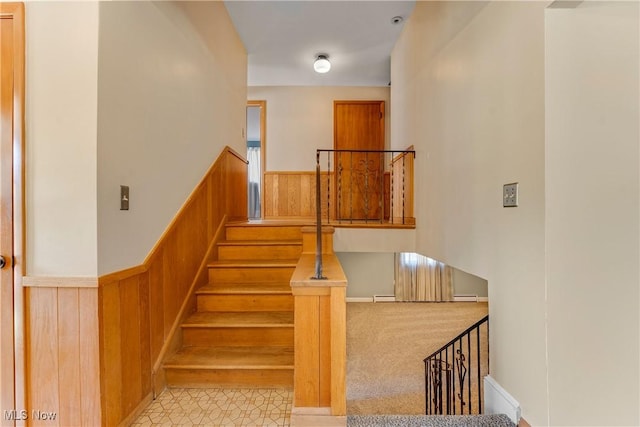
[[461, 370], [339, 184], [479, 373], [381, 203], [403, 195], [328, 187], [469, 378], [458, 373], [351, 189], [393, 167], [366, 187]]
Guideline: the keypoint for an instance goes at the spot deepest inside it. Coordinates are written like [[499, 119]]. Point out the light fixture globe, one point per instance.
[[322, 64]]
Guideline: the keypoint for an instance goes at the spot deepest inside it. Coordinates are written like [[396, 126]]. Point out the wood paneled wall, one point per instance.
[[141, 308], [292, 195], [62, 354], [93, 352]]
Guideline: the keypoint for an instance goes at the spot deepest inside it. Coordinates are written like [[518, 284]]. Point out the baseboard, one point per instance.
[[316, 417], [359, 299], [384, 298], [469, 298], [498, 401]]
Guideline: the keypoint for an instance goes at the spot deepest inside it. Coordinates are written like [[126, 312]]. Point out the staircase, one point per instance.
[[241, 334]]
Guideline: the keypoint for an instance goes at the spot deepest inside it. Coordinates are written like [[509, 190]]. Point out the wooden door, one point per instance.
[[11, 101], [359, 181]]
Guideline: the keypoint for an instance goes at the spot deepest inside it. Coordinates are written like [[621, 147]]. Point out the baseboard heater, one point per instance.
[[469, 298], [384, 298]]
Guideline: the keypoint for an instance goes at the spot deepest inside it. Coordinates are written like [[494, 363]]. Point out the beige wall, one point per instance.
[[61, 125], [592, 215], [563, 266], [368, 273], [144, 94], [300, 120], [468, 89], [172, 94]]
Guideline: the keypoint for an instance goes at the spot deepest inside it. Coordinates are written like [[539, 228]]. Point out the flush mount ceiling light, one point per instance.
[[322, 64]]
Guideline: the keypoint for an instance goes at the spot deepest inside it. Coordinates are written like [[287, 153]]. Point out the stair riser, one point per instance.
[[261, 252], [238, 337], [245, 302], [264, 233], [254, 378], [251, 275]]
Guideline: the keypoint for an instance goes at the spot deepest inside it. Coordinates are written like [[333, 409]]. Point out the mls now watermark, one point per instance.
[[23, 415]]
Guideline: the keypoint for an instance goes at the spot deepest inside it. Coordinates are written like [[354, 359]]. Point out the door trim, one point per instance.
[[15, 11], [263, 146]]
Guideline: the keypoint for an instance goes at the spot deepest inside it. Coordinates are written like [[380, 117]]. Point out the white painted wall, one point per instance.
[[61, 127], [300, 120], [172, 95], [592, 213], [468, 90]]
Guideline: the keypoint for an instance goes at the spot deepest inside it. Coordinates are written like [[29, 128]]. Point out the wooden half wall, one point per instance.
[[95, 346]]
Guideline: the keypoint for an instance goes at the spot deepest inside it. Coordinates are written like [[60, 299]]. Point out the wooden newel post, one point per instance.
[[320, 332]]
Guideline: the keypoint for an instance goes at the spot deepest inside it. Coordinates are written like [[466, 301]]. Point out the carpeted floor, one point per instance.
[[386, 345], [429, 421]]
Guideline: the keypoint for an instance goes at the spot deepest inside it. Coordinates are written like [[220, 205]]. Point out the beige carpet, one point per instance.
[[386, 345]]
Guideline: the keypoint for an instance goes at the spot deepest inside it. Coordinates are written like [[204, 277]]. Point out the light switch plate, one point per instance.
[[510, 195], [124, 197]]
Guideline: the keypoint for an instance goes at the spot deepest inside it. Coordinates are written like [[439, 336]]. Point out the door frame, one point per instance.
[[263, 146], [16, 12]]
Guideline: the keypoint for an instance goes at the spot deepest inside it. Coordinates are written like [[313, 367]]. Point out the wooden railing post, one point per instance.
[[319, 335]]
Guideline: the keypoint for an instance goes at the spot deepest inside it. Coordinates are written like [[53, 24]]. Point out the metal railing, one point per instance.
[[366, 186], [454, 373]]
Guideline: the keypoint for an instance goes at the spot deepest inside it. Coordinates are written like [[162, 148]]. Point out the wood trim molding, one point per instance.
[[59, 282], [263, 146], [16, 12], [235, 153], [122, 274]]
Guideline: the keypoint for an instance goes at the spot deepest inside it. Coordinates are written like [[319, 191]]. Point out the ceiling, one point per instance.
[[283, 38]]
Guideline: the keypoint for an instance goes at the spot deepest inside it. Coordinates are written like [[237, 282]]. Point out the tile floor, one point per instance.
[[218, 407]]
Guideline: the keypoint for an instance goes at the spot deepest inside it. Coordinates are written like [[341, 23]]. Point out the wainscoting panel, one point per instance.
[[63, 382], [292, 195], [94, 346], [143, 306]]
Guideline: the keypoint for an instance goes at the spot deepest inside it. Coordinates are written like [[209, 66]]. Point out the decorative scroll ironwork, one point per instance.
[[437, 385], [453, 374], [361, 191], [461, 370]]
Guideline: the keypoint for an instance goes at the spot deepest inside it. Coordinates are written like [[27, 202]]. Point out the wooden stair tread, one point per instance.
[[271, 223], [250, 263], [232, 358], [257, 288], [257, 319], [260, 243]]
